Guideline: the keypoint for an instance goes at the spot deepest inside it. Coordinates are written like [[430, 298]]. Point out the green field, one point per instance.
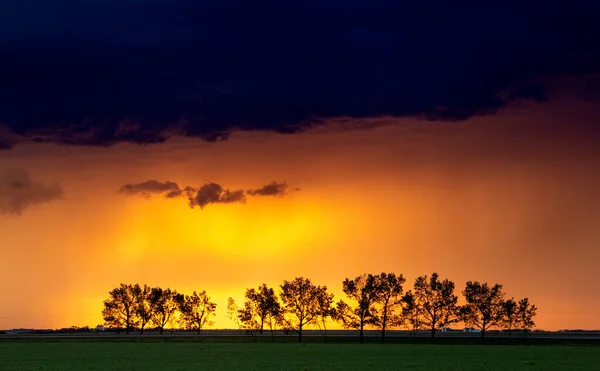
[[130, 356]]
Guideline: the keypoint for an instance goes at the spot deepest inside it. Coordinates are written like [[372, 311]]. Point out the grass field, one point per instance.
[[132, 356]]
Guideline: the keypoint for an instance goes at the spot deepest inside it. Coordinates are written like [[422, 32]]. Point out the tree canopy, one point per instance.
[[485, 306], [435, 302], [301, 303]]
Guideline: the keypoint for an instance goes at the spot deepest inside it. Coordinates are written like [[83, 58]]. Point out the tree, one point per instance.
[[411, 312], [164, 305], [509, 309], [260, 306], [233, 312], [388, 289], [325, 309], [119, 308], [362, 289], [300, 298], [197, 311], [525, 313], [485, 306], [175, 320], [143, 306], [436, 301]]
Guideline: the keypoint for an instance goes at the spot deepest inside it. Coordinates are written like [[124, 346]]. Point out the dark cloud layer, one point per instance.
[[209, 193], [102, 72], [18, 191]]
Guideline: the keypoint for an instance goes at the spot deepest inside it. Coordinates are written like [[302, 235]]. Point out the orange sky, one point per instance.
[[498, 199]]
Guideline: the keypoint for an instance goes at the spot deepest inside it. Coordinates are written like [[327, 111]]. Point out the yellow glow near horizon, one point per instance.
[[274, 227], [162, 242]]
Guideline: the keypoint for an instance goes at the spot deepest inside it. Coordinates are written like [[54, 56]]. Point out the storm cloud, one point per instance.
[[209, 193], [19, 192], [142, 72]]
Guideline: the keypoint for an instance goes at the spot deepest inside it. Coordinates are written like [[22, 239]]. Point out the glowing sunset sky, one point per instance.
[[485, 169]]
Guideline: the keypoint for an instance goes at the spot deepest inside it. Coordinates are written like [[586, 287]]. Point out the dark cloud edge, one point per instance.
[[105, 133]]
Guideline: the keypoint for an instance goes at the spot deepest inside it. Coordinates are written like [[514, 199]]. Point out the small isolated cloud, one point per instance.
[[18, 191], [271, 189], [209, 193], [151, 187], [213, 193]]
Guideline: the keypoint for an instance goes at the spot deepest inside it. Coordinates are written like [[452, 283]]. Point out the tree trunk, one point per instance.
[[383, 325], [432, 332], [482, 333], [362, 326], [161, 329], [198, 330], [127, 322], [300, 333]]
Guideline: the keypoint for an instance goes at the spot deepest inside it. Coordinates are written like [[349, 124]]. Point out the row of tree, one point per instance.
[[137, 307], [372, 300]]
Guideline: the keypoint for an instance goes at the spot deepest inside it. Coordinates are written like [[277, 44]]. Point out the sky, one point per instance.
[[219, 145]]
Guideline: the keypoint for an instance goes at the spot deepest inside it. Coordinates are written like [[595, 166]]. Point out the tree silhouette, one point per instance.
[[300, 298], [411, 312], [388, 289], [175, 320], [164, 305], [197, 311], [325, 309], [233, 312], [510, 317], [436, 302], [485, 306], [143, 306], [119, 308], [525, 313], [260, 306], [362, 289]]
